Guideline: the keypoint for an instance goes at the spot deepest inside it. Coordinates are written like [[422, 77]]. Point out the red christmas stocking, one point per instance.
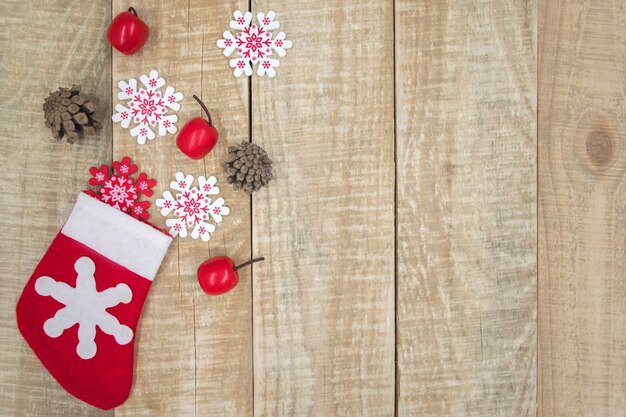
[[80, 308]]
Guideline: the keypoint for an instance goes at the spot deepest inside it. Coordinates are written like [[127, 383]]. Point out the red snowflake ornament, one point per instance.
[[121, 190]]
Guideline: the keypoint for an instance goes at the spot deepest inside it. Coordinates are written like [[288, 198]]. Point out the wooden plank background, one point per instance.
[[466, 207], [582, 209], [324, 303], [401, 232]]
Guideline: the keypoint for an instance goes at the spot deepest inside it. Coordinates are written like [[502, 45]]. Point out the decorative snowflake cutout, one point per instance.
[[254, 44], [120, 190], [147, 107], [87, 307], [192, 206]]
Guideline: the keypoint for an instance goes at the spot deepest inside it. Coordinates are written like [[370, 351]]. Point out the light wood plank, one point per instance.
[[324, 299], [43, 48], [582, 207], [194, 353], [466, 207]]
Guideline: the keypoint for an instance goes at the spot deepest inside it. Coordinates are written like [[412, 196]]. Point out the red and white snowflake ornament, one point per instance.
[[120, 190], [192, 206], [147, 107], [254, 44]]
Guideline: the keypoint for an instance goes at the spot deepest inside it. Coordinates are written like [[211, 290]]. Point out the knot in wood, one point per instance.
[[599, 148]]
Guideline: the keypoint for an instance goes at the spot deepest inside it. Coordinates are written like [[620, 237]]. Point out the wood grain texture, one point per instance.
[[324, 299], [466, 207], [194, 353], [582, 207], [42, 49]]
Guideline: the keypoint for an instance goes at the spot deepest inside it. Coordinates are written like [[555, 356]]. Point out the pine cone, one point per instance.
[[248, 167], [70, 114]]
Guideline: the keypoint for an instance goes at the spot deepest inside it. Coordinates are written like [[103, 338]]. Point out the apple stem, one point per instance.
[[204, 108], [133, 11], [251, 261]]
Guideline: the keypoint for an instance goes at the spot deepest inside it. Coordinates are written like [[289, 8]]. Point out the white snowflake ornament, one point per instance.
[[192, 207], [85, 305], [254, 44], [147, 107]]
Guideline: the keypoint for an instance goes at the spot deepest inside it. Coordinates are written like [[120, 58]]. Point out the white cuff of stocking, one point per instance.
[[126, 241]]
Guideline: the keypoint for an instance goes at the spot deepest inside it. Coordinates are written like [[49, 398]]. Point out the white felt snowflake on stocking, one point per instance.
[[120, 190], [147, 107], [87, 307], [254, 44], [192, 206]]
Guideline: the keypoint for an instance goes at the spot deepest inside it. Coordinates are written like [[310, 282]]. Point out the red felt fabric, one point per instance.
[[105, 380]]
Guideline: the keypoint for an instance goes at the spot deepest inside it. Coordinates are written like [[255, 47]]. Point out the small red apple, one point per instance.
[[127, 32], [219, 275], [198, 136]]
